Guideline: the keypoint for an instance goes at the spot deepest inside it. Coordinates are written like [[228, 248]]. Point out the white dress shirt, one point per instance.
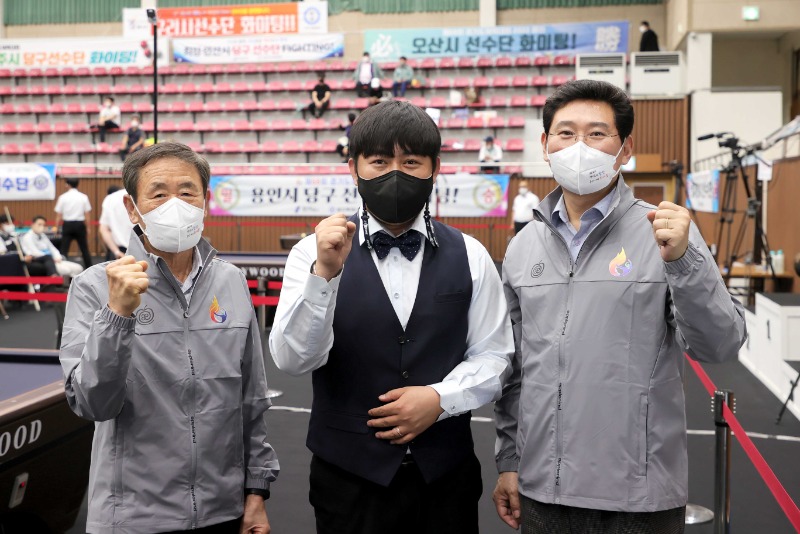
[[522, 209], [38, 245], [114, 215], [302, 334], [73, 205]]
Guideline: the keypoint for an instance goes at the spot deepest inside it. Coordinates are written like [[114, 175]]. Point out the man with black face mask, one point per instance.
[[402, 321]]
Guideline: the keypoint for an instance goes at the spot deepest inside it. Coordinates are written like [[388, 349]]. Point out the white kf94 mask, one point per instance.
[[582, 169], [174, 226]]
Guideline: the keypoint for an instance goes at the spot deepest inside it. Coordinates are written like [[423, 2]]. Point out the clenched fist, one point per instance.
[[334, 241], [671, 229], [127, 280]]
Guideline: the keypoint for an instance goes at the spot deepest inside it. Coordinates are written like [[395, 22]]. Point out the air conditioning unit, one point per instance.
[[657, 73], [604, 67]]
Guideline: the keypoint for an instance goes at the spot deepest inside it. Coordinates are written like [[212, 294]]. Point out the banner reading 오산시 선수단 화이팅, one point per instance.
[[455, 195], [552, 39], [27, 181], [258, 48]]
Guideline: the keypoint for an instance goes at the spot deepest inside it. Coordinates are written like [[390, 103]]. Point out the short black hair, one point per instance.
[[351, 116], [109, 98], [112, 189], [4, 219], [404, 58], [38, 217], [591, 90], [169, 149], [644, 22], [382, 127], [72, 182], [366, 54]]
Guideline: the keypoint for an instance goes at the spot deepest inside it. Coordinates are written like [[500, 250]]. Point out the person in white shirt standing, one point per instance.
[[524, 204], [402, 321], [109, 118], [115, 225], [38, 246], [73, 209], [490, 153]]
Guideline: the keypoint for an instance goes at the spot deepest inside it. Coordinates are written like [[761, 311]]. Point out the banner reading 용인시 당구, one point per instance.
[[568, 39], [258, 49], [459, 195], [27, 181]]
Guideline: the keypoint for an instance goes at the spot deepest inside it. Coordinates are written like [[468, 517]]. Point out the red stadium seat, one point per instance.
[[46, 148], [270, 147], [29, 148], [259, 125], [279, 125], [78, 127], [187, 88], [297, 85], [39, 108], [276, 85], [7, 108], [502, 62], [428, 63], [497, 122], [348, 85], [169, 88], [461, 82], [10, 149], [194, 145], [177, 107], [249, 105], [212, 147], [168, 126], [465, 63], [44, 128], [222, 125], [318, 124], [58, 107], [298, 125], [290, 146], [205, 87], [442, 83], [516, 122], [515, 145], [475, 122], [258, 86], [186, 126], [241, 125], [8, 128], [231, 147], [251, 146], [540, 81], [438, 102], [23, 109], [522, 62], [342, 103], [480, 81], [559, 79], [203, 126], [519, 101], [454, 123], [286, 105], [240, 87], [447, 63], [562, 60], [143, 107], [500, 81], [360, 103], [520, 81], [213, 106], [196, 106], [223, 87], [74, 107], [498, 101], [472, 145], [538, 101], [541, 61], [121, 89], [26, 128], [83, 148], [328, 145], [419, 101], [64, 147], [309, 146]]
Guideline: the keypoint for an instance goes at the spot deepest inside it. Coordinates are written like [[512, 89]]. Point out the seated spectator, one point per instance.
[[7, 233], [490, 153], [43, 253], [344, 142], [365, 74], [320, 98], [133, 140], [109, 119], [403, 75]]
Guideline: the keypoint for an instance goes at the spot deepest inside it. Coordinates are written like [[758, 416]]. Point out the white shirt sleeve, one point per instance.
[[87, 204], [302, 333], [59, 204], [479, 379]]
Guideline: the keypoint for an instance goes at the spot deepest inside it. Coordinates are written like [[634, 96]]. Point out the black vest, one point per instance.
[[372, 354]]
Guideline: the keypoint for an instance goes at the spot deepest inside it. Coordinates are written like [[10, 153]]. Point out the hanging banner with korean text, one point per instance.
[[83, 52], [258, 49], [550, 39], [223, 21], [702, 191], [456, 195], [27, 181]]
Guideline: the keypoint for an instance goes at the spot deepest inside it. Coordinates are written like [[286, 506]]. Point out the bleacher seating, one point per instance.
[[255, 113]]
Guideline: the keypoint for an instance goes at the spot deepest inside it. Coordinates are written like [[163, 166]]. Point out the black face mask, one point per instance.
[[395, 197]]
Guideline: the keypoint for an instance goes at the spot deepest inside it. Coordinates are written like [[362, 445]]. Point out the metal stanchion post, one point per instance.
[[722, 463]]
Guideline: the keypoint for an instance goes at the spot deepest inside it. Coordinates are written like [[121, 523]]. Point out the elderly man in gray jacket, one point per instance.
[[161, 348], [605, 294]]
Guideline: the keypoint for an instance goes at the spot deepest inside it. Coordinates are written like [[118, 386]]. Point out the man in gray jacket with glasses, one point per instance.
[[161, 348], [605, 294]]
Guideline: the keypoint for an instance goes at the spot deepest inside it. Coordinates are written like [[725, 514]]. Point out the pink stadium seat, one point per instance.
[[484, 62], [99, 71], [298, 125], [480, 81], [519, 81], [342, 103], [328, 145], [251, 146], [318, 124], [442, 83], [541, 61], [194, 145], [259, 125], [74, 107], [279, 125], [231, 105], [176, 107], [168, 126], [522, 62], [129, 71], [270, 147], [82, 71], [472, 145], [562, 60], [215, 69], [240, 87], [419, 101], [44, 128], [348, 85], [115, 71], [39, 108], [223, 87], [497, 122], [169, 88], [212, 146], [187, 88], [559, 79], [120, 89], [500, 81], [91, 107], [23, 109], [475, 122], [143, 107], [147, 126], [286, 105], [428, 63], [438, 102], [7, 108], [360, 103], [78, 127], [64, 147], [29, 148], [258, 86], [249, 105], [221, 125], [241, 125], [516, 122], [26, 128], [10, 149], [58, 107], [515, 145], [465, 63], [8, 128], [538, 101], [461, 82], [447, 144], [185, 126], [232, 68], [203, 126], [205, 87], [447, 63], [290, 146], [83, 148], [213, 106], [230, 147], [276, 85], [309, 146], [46, 148], [454, 123], [540, 81], [502, 62], [53, 90], [498, 101], [519, 101], [195, 106]]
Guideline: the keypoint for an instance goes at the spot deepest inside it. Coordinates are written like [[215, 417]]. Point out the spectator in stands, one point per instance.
[[320, 98], [133, 140], [109, 119], [8, 243], [36, 244], [385, 454], [403, 75], [73, 208], [343, 148], [524, 204], [490, 153], [605, 294], [7, 233], [115, 225], [649, 41], [365, 73]]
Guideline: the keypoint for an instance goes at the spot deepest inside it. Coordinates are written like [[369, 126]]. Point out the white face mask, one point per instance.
[[9, 228], [523, 190], [134, 124], [642, 29], [582, 169], [174, 226]]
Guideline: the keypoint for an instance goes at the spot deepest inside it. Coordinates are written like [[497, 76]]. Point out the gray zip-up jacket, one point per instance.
[[593, 415], [178, 393]]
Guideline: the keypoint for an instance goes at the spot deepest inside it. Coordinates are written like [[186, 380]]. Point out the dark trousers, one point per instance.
[[228, 527], [75, 230], [110, 255], [399, 88], [102, 127], [348, 504], [42, 266], [541, 518], [318, 111]]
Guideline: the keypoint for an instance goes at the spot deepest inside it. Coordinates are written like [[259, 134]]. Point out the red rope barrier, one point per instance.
[[22, 280], [784, 500], [253, 284], [41, 297]]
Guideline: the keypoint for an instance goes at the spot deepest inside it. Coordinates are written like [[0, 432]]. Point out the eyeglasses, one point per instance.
[[593, 138]]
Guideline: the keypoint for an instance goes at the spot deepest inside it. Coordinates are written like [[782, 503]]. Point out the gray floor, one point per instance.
[[754, 510]]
